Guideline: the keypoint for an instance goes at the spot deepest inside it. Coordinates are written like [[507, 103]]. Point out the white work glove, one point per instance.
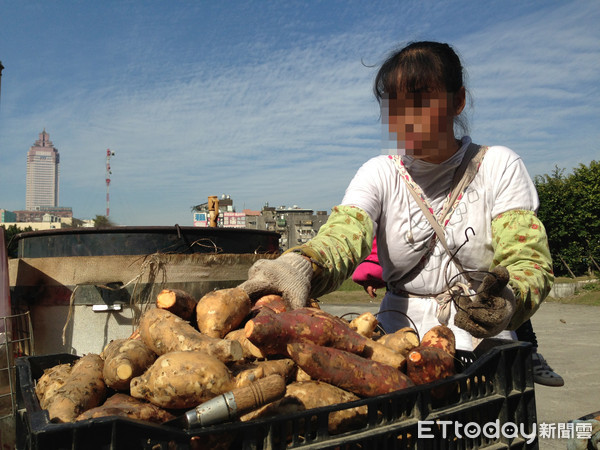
[[490, 311], [288, 276]]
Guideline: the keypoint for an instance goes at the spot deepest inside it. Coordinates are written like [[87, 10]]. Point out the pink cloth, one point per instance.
[[368, 272]]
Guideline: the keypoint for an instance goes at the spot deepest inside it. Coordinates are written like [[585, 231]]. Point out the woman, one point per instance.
[[458, 238]]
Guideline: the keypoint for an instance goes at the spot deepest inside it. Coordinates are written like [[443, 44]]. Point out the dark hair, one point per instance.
[[422, 67], [419, 67]]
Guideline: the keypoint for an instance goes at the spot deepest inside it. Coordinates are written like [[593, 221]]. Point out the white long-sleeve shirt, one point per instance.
[[403, 232]]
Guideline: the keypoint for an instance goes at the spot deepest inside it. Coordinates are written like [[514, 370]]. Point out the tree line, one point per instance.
[[570, 211]]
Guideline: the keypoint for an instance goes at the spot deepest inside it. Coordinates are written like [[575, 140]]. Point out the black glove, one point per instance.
[[490, 311], [288, 276]]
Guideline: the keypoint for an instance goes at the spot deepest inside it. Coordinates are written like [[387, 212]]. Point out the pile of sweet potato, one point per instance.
[[186, 352]]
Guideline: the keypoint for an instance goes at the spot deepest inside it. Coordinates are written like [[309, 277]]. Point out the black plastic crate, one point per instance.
[[494, 383]]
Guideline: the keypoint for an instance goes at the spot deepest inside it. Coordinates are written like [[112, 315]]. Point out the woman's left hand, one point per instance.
[[492, 308], [371, 290]]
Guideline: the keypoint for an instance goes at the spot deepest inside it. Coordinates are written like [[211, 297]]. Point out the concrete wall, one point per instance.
[[561, 290]]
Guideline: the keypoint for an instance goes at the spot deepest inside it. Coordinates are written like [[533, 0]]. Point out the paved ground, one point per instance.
[[569, 339]]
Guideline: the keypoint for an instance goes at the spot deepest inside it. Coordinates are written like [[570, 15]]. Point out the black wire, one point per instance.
[[405, 315], [387, 310], [453, 255]]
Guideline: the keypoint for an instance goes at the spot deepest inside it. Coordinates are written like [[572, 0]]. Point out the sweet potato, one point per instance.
[[305, 395], [249, 372], [83, 389], [348, 371], [315, 394], [135, 334], [182, 379], [301, 375], [223, 310], [274, 302], [442, 337], [164, 332], [272, 333], [177, 301], [313, 303], [51, 380], [250, 350], [246, 374], [123, 405], [364, 324], [385, 355], [125, 359], [428, 364], [402, 341]]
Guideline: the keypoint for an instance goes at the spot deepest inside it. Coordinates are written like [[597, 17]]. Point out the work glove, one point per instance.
[[288, 276], [490, 311]]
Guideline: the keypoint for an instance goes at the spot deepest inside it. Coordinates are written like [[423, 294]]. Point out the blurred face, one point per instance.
[[422, 123]]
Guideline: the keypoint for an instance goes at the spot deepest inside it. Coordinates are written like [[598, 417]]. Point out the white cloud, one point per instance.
[[290, 122], [532, 78]]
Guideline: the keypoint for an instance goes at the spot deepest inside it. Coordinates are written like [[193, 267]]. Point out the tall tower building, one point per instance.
[[42, 174]]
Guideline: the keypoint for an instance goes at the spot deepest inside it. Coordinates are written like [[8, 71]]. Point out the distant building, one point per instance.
[[228, 218], [38, 226], [42, 174], [40, 220], [37, 214], [7, 216], [295, 225], [253, 219]]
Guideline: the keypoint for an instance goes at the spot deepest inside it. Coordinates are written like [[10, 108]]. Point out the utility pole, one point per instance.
[[108, 174]]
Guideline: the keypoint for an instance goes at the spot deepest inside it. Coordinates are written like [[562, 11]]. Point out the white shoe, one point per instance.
[[543, 373]]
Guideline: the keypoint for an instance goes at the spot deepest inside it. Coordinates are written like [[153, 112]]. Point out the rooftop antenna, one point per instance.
[[109, 153]]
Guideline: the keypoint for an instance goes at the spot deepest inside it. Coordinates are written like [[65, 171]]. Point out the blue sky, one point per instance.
[[270, 102]]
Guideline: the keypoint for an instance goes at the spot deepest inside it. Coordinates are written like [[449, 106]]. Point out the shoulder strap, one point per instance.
[[439, 231], [462, 178]]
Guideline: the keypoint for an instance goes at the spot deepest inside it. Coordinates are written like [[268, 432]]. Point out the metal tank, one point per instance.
[[86, 286]]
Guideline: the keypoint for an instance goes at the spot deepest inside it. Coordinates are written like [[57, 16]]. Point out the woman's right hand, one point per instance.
[[289, 276]]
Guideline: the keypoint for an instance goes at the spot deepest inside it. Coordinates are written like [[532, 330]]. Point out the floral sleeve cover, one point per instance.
[[520, 244], [340, 245]]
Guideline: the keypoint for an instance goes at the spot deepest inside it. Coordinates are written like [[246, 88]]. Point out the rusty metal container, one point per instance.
[[84, 287]]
